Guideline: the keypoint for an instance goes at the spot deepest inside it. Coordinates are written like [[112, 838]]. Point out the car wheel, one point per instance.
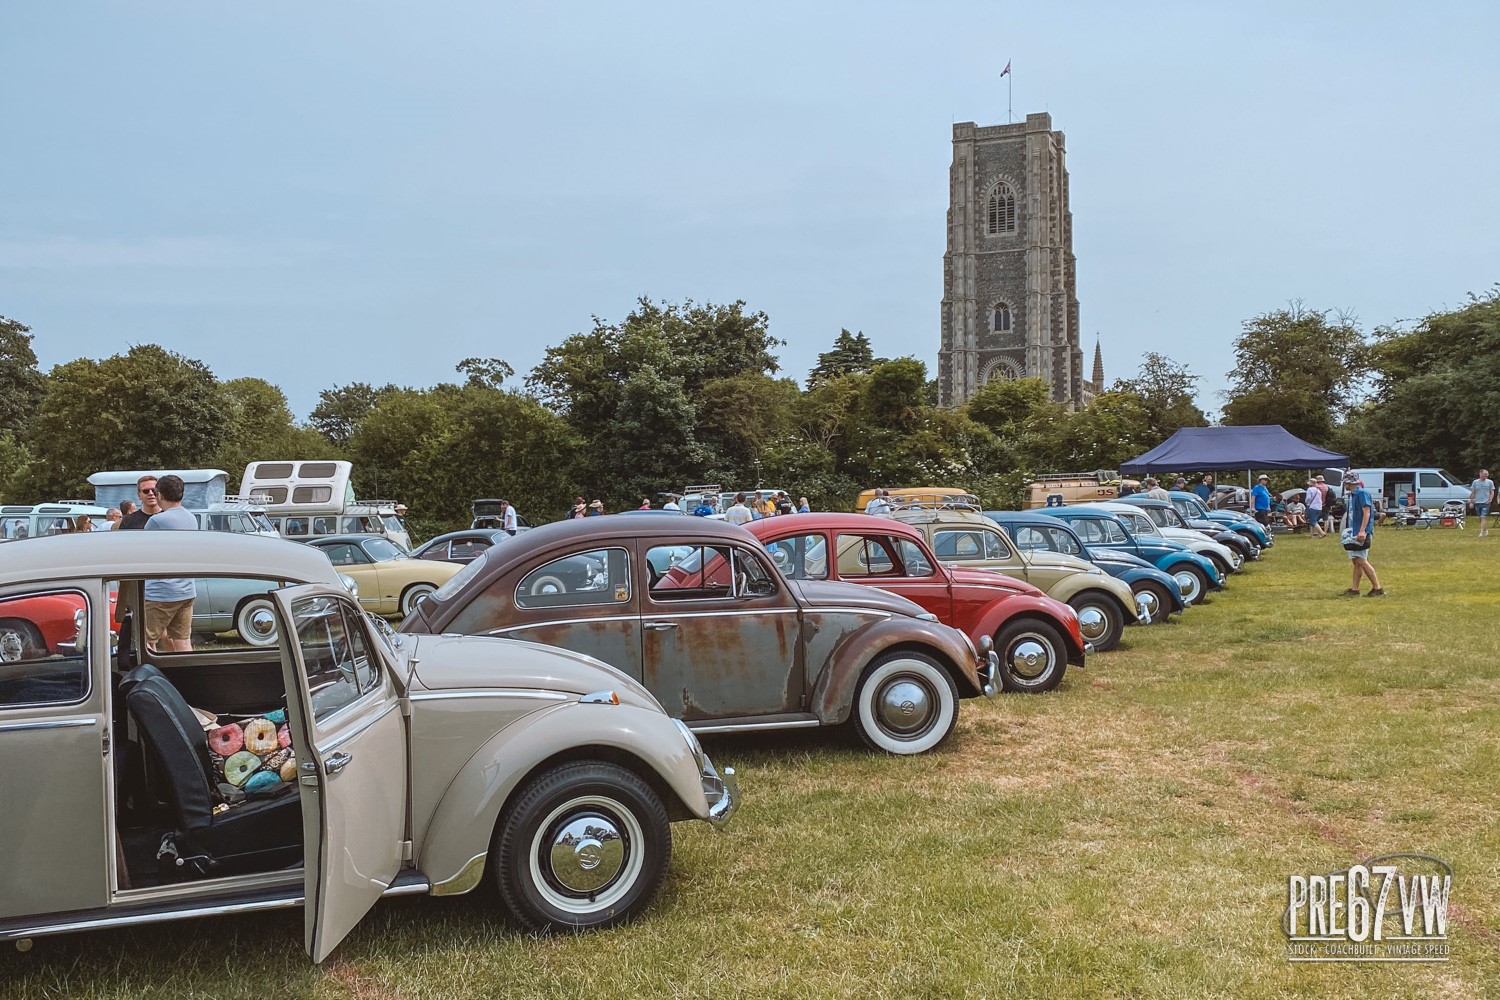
[[1157, 601], [1223, 567], [1192, 582], [1254, 543], [585, 845], [1033, 656], [546, 586], [412, 595], [1099, 620], [255, 621], [19, 640], [906, 704]]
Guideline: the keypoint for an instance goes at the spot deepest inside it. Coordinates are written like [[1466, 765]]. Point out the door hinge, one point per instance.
[[106, 740], [406, 851], [405, 707]]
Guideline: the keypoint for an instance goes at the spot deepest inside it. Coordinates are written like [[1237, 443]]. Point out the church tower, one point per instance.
[[1010, 300]]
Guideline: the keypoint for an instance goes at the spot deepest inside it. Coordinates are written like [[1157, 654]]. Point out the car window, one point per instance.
[[705, 572], [1140, 524], [1431, 480], [345, 554], [994, 547], [1029, 539], [1062, 540], [1158, 516], [917, 563], [464, 549], [952, 544], [335, 653], [383, 550], [866, 555], [751, 578], [801, 557], [597, 576], [43, 638], [15, 527], [296, 526]]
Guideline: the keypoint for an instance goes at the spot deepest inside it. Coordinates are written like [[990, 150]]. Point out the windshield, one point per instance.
[[391, 522], [383, 550], [1189, 507], [1140, 524]]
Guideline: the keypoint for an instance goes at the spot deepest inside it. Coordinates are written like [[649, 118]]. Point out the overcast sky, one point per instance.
[[319, 193]]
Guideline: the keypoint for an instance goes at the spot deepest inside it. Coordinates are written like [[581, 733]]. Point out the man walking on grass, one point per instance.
[[1261, 500], [1481, 492], [1314, 498], [1362, 526]]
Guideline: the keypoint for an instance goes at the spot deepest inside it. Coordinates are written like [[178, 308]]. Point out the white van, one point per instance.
[[308, 499], [18, 521], [1429, 488], [204, 492]]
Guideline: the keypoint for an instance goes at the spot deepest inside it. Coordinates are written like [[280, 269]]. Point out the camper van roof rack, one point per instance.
[[75, 503], [965, 502], [361, 502], [1098, 475], [705, 488], [253, 499]]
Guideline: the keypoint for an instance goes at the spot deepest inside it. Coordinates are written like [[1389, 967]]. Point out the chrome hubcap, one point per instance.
[[905, 706], [587, 854], [1147, 603], [1093, 623], [262, 623], [1187, 583], [11, 647], [1029, 658]]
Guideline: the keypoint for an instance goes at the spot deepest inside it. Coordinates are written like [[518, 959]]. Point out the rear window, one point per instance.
[[317, 470], [312, 494], [272, 470]]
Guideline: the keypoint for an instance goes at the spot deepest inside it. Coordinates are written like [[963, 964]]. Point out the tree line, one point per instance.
[[680, 393]]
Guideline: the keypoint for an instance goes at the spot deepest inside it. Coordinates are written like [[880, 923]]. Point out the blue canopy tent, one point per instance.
[[1263, 446]]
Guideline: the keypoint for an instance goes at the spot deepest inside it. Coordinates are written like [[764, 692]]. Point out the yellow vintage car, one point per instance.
[[390, 581]]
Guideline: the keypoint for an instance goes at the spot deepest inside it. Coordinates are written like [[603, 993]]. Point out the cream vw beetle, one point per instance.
[[135, 788]]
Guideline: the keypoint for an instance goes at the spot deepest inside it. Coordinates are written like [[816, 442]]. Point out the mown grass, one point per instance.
[[1128, 836]]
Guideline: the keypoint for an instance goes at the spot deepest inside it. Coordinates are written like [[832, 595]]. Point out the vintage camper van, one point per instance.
[[308, 499], [205, 492], [19, 521]]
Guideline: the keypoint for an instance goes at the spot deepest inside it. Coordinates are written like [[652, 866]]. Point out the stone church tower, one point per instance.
[[1010, 299]]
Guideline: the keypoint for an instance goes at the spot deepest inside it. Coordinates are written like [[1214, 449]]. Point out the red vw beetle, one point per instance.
[[1036, 636]]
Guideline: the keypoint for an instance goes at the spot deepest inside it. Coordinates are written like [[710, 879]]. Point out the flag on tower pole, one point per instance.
[[1006, 70], [1009, 86]]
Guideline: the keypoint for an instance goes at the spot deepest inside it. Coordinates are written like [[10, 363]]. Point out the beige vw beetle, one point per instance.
[[347, 765]]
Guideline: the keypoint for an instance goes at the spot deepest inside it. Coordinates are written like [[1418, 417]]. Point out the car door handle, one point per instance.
[[336, 762], [660, 626]]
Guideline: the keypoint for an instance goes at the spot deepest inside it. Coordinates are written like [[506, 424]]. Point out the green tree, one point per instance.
[[1436, 392], [491, 372], [1166, 391], [740, 417], [259, 426], [340, 409], [1298, 368], [21, 383], [145, 409], [1005, 406], [851, 355]]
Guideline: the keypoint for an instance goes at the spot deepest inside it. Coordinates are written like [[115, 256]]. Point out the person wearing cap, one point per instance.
[[1313, 497], [1260, 500], [1154, 490], [596, 508], [1361, 532]]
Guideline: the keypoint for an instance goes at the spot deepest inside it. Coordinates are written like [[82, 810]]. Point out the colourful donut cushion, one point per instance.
[[289, 769], [260, 737], [226, 740], [278, 716], [283, 736], [261, 780], [238, 767]]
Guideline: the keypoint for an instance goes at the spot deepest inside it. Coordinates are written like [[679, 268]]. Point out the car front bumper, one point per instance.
[[722, 792]]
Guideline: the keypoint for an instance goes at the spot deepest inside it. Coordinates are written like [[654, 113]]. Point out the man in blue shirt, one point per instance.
[[1362, 528], [1205, 489], [1261, 500]]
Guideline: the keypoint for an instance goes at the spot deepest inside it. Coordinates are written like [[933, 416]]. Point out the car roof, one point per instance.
[[647, 529], [924, 515], [1021, 517], [352, 538], [1096, 509], [163, 553], [831, 521], [449, 536]]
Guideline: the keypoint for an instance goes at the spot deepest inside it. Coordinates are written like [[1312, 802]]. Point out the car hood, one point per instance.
[[1105, 556], [477, 662], [854, 595], [966, 577]]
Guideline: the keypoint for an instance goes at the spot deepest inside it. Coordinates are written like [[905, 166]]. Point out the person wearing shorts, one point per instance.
[[1362, 529], [169, 602], [1314, 497], [1481, 493]]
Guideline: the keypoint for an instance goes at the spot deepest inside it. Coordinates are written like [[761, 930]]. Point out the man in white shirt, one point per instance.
[[738, 513], [878, 503], [508, 514], [1481, 492], [1154, 490]]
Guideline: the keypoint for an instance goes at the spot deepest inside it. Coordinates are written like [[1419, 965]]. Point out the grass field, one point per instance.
[[1130, 835]]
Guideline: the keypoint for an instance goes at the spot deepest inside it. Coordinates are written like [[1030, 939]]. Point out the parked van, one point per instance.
[[1428, 487], [306, 499], [923, 495], [204, 492], [18, 521], [1076, 487]]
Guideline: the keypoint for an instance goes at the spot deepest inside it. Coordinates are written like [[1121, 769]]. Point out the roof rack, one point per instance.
[[1097, 475], [964, 502], [360, 502], [75, 503], [705, 488]]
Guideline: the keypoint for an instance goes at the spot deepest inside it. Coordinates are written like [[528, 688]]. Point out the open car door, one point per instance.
[[350, 742]]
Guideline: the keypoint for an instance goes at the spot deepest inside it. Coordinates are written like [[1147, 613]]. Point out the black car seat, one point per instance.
[[258, 834]]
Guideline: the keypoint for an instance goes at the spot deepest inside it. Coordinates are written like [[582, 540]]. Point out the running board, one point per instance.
[[756, 723], [409, 883]]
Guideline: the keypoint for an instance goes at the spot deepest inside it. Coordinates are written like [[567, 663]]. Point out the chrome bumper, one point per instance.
[[989, 672], [722, 792]]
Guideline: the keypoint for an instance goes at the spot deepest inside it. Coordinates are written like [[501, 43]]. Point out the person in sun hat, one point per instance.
[[1260, 498], [1360, 535]]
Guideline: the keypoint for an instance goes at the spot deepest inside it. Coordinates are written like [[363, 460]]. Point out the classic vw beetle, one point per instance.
[[144, 786]]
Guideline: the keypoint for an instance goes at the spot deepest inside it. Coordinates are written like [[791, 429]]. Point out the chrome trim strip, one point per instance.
[[359, 727], [561, 621], [468, 878], [751, 727], [723, 614], [17, 727], [209, 887], [491, 693], [295, 898]]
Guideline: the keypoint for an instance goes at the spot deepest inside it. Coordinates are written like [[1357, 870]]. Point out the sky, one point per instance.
[[344, 191]]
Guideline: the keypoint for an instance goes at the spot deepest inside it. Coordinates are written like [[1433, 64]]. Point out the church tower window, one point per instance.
[[1002, 211], [1002, 318]]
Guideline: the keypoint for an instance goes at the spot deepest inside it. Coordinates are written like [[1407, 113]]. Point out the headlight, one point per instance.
[[349, 585], [927, 616], [694, 746]]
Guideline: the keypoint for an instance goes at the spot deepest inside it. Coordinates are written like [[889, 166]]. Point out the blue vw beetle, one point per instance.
[[1099, 529], [1192, 507], [1156, 591]]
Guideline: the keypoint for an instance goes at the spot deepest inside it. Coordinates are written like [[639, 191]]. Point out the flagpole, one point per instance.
[[1010, 79]]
